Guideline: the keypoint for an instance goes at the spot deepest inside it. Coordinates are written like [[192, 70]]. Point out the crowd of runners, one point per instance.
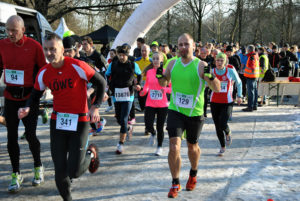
[[173, 84]]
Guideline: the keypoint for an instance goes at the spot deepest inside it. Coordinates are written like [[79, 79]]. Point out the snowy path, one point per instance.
[[262, 163]]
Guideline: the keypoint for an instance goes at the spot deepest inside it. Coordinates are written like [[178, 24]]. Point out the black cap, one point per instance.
[[76, 38], [69, 42], [127, 45], [286, 45], [229, 48]]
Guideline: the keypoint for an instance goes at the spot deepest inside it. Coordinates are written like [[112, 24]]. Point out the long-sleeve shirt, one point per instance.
[[156, 97]]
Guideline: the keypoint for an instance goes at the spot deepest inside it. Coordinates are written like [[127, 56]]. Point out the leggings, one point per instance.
[[122, 110], [68, 150], [161, 114], [220, 114], [12, 123]]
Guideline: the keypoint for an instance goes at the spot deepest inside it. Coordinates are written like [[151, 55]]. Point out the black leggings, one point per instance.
[[68, 150], [12, 123], [161, 114], [220, 114]]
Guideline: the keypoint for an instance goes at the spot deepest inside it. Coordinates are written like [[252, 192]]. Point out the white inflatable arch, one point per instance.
[[142, 19]]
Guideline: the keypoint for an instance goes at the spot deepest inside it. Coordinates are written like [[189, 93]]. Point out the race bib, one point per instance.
[[66, 121], [224, 87], [14, 76], [156, 95], [185, 101], [122, 94]]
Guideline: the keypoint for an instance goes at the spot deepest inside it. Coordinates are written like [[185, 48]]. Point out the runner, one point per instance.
[[188, 75], [67, 79], [20, 59], [156, 103], [122, 82], [221, 103]]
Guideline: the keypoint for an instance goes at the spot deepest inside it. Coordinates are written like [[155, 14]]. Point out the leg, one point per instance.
[[125, 110], [30, 123], [78, 160], [59, 151], [174, 158], [250, 93], [161, 118], [149, 119], [12, 124], [216, 115]]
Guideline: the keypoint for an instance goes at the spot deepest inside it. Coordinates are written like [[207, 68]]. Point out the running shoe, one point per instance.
[[147, 133], [15, 184], [38, 178], [23, 136], [45, 115], [132, 121], [94, 164], [221, 152], [151, 140], [2, 120], [120, 149], [173, 193], [109, 108], [159, 151], [228, 139], [191, 183]]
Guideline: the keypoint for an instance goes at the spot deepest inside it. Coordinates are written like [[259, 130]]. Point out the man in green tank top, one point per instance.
[[188, 76]]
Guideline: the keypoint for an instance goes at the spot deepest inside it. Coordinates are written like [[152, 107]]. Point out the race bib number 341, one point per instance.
[[14, 76], [65, 121], [185, 101]]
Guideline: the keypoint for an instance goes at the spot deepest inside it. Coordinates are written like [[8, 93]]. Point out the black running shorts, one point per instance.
[[177, 123]]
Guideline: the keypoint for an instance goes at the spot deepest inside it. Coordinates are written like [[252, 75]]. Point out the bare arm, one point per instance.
[[214, 84]]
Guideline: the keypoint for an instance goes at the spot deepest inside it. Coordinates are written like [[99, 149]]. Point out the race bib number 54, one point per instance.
[[185, 101], [65, 121], [14, 76]]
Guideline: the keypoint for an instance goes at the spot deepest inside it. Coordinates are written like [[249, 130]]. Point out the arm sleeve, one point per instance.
[[99, 81], [34, 98], [238, 82], [138, 73], [108, 71]]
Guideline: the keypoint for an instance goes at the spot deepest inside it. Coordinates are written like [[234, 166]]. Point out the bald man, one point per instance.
[[188, 76], [20, 59]]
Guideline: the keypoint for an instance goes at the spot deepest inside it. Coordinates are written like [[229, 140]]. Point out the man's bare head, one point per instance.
[[15, 28], [186, 45]]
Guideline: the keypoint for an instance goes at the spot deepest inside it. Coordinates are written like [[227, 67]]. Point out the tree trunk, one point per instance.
[[168, 27], [200, 21]]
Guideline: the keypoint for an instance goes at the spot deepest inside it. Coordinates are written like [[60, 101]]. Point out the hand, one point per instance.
[[159, 71], [207, 71], [105, 97], [94, 114], [23, 112], [239, 100], [138, 87], [142, 93]]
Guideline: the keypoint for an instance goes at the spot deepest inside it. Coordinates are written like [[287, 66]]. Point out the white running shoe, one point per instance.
[[120, 148], [109, 108], [38, 178], [152, 140], [15, 184], [159, 151]]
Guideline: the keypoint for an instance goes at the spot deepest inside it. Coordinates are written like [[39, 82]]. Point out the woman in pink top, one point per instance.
[[156, 103]]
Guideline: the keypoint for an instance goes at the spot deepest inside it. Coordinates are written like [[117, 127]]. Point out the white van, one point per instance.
[[36, 27]]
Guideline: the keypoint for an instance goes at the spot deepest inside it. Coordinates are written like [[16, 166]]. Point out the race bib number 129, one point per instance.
[[185, 101], [65, 121]]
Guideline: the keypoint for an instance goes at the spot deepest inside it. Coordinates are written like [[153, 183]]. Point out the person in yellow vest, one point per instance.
[[154, 48], [263, 67], [252, 73]]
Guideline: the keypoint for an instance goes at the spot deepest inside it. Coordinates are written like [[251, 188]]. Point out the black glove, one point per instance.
[[159, 71], [207, 72]]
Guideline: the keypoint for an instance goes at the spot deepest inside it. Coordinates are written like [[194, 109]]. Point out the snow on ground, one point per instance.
[[262, 163]]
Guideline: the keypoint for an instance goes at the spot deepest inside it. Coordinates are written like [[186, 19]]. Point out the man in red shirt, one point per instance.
[[67, 79], [20, 60]]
